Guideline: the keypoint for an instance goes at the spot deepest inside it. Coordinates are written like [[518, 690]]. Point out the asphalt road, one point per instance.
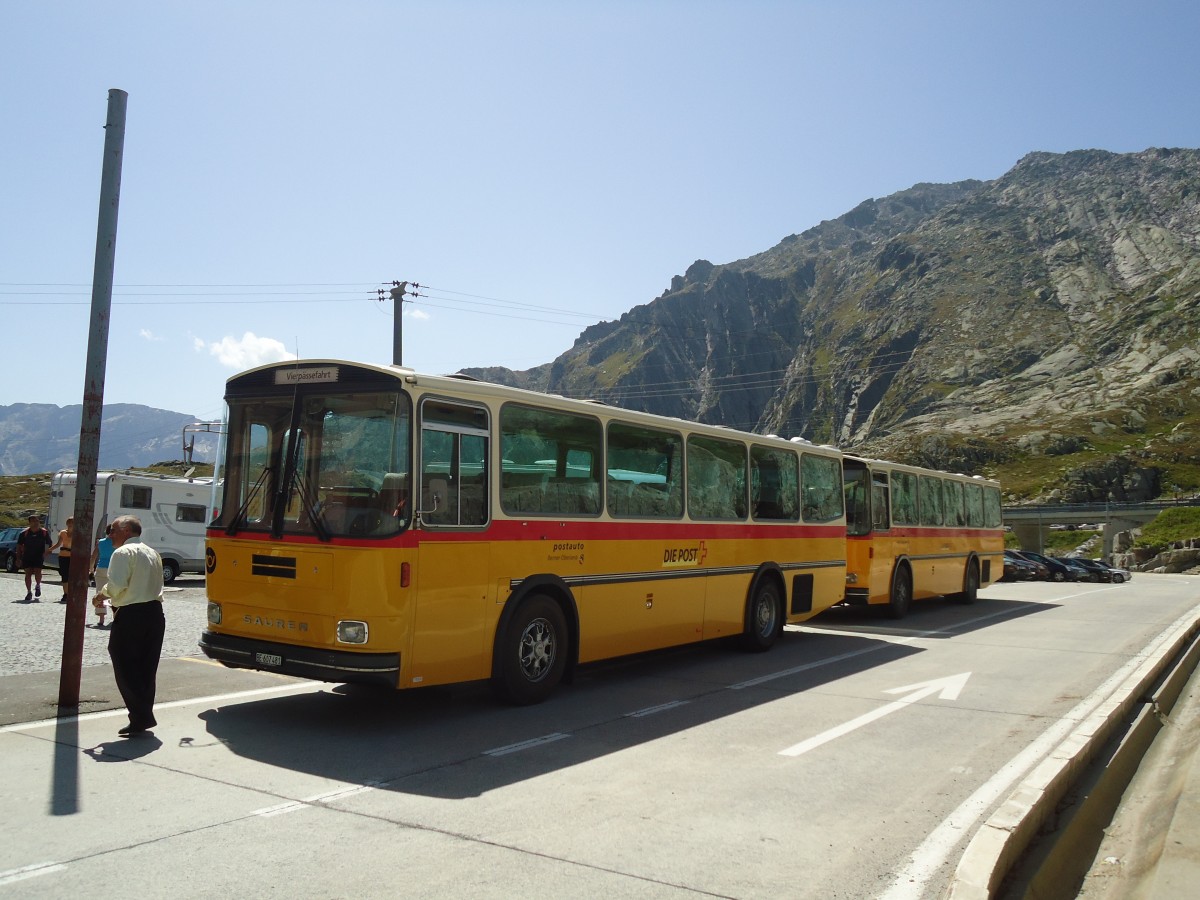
[[853, 760]]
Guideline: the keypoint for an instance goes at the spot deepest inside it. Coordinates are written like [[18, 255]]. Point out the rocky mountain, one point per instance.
[[41, 437], [1042, 326]]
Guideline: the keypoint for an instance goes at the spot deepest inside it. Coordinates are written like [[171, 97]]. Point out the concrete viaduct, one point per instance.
[[1031, 523]]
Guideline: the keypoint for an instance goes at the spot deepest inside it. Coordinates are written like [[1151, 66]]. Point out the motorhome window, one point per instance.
[[190, 512], [822, 497], [774, 484], [904, 498], [645, 472], [550, 462], [716, 478], [135, 496]]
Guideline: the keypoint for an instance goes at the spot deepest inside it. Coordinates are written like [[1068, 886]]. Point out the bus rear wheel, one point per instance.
[[970, 591], [532, 653], [764, 618], [901, 595]]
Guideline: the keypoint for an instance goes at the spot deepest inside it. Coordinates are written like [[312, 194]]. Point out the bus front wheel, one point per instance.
[[901, 596], [764, 618], [532, 652]]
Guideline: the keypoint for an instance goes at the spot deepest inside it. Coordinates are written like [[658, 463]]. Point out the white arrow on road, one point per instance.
[[947, 688]]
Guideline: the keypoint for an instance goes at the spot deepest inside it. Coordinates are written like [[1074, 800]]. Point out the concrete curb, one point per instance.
[[1000, 842]]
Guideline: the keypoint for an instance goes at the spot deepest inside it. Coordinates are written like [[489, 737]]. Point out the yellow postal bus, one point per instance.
[[915, 533], [379, 525]]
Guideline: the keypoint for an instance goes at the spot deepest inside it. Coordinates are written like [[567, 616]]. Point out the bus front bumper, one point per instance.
[[341, 666]]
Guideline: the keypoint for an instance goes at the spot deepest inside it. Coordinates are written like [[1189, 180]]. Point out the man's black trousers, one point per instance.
[[134, 645]]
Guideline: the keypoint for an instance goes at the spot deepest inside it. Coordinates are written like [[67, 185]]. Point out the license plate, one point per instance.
[[268, 659]]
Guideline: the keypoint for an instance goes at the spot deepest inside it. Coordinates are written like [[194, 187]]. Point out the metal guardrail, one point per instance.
[[1092, 512]]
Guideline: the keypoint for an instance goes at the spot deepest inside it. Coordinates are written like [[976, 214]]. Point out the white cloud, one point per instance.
[[246, 352], [149, 335], [419, 314]]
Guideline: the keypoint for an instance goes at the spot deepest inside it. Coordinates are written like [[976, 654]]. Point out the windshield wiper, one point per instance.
[[311, 505], [232, 527]]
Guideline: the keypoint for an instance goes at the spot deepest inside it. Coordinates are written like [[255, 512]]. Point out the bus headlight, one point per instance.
[[214, 613], [352, 632]]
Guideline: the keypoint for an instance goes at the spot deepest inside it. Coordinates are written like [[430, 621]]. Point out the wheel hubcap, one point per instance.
[[537, 649], [766, 616]]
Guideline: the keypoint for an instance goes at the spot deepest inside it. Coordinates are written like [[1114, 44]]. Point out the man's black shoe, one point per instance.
[[130, 730]]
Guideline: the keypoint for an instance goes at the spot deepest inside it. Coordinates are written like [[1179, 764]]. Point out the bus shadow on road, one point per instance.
[[459, 742], [933, 618]]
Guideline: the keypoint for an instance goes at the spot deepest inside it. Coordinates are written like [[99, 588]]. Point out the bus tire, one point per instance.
[[900, 597], [970, 591], [764, 617], [170, 570], [532, 652]]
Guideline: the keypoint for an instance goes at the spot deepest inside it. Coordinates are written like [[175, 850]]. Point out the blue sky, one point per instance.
[[537, 166]]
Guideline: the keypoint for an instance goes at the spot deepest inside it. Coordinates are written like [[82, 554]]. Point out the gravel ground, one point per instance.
[[31, 634]]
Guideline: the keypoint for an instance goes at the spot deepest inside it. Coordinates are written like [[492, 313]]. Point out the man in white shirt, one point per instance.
[[135, 591]]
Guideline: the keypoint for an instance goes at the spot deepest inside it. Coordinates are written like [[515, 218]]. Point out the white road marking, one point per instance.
[[816, 664], [881, 641], [173, 704], [31, 871], [526, 745], [947, 688], [306, 802], [651, 710]]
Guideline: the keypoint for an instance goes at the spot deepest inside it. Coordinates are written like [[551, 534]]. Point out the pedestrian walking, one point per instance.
[[135, 590], [63, 546], [101, 554], [32, 543]]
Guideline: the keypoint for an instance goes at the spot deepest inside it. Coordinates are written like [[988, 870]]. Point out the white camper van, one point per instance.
[[174, 512]]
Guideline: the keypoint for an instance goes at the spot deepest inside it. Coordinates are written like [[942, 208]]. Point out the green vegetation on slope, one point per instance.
[[1171, 525]]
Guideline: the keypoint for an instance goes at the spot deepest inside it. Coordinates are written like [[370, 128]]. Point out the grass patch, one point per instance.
[[1170, 525]]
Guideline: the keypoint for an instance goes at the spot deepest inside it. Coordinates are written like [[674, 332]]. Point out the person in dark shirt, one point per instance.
[[31, 550]]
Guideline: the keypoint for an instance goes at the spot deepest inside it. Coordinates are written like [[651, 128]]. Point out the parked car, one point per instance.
[[1018, 568], [1079, 571], [1104, 571], [1055, 570], [8, 548]]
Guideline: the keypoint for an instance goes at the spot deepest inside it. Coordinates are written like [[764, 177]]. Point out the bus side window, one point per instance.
[[454, 478]]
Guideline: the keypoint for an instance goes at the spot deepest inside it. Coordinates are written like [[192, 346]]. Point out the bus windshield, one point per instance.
[[331, 465]]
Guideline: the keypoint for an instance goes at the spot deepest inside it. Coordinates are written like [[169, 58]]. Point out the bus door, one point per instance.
[[885, 546], [451, 624]]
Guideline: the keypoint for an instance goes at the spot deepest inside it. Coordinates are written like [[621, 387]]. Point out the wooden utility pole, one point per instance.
[[82, 538]]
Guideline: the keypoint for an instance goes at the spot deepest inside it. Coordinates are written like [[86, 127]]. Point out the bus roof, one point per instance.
[[330, 371]]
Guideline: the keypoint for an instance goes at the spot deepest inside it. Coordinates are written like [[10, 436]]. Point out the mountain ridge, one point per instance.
[[1051, 312], [42, 437]]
